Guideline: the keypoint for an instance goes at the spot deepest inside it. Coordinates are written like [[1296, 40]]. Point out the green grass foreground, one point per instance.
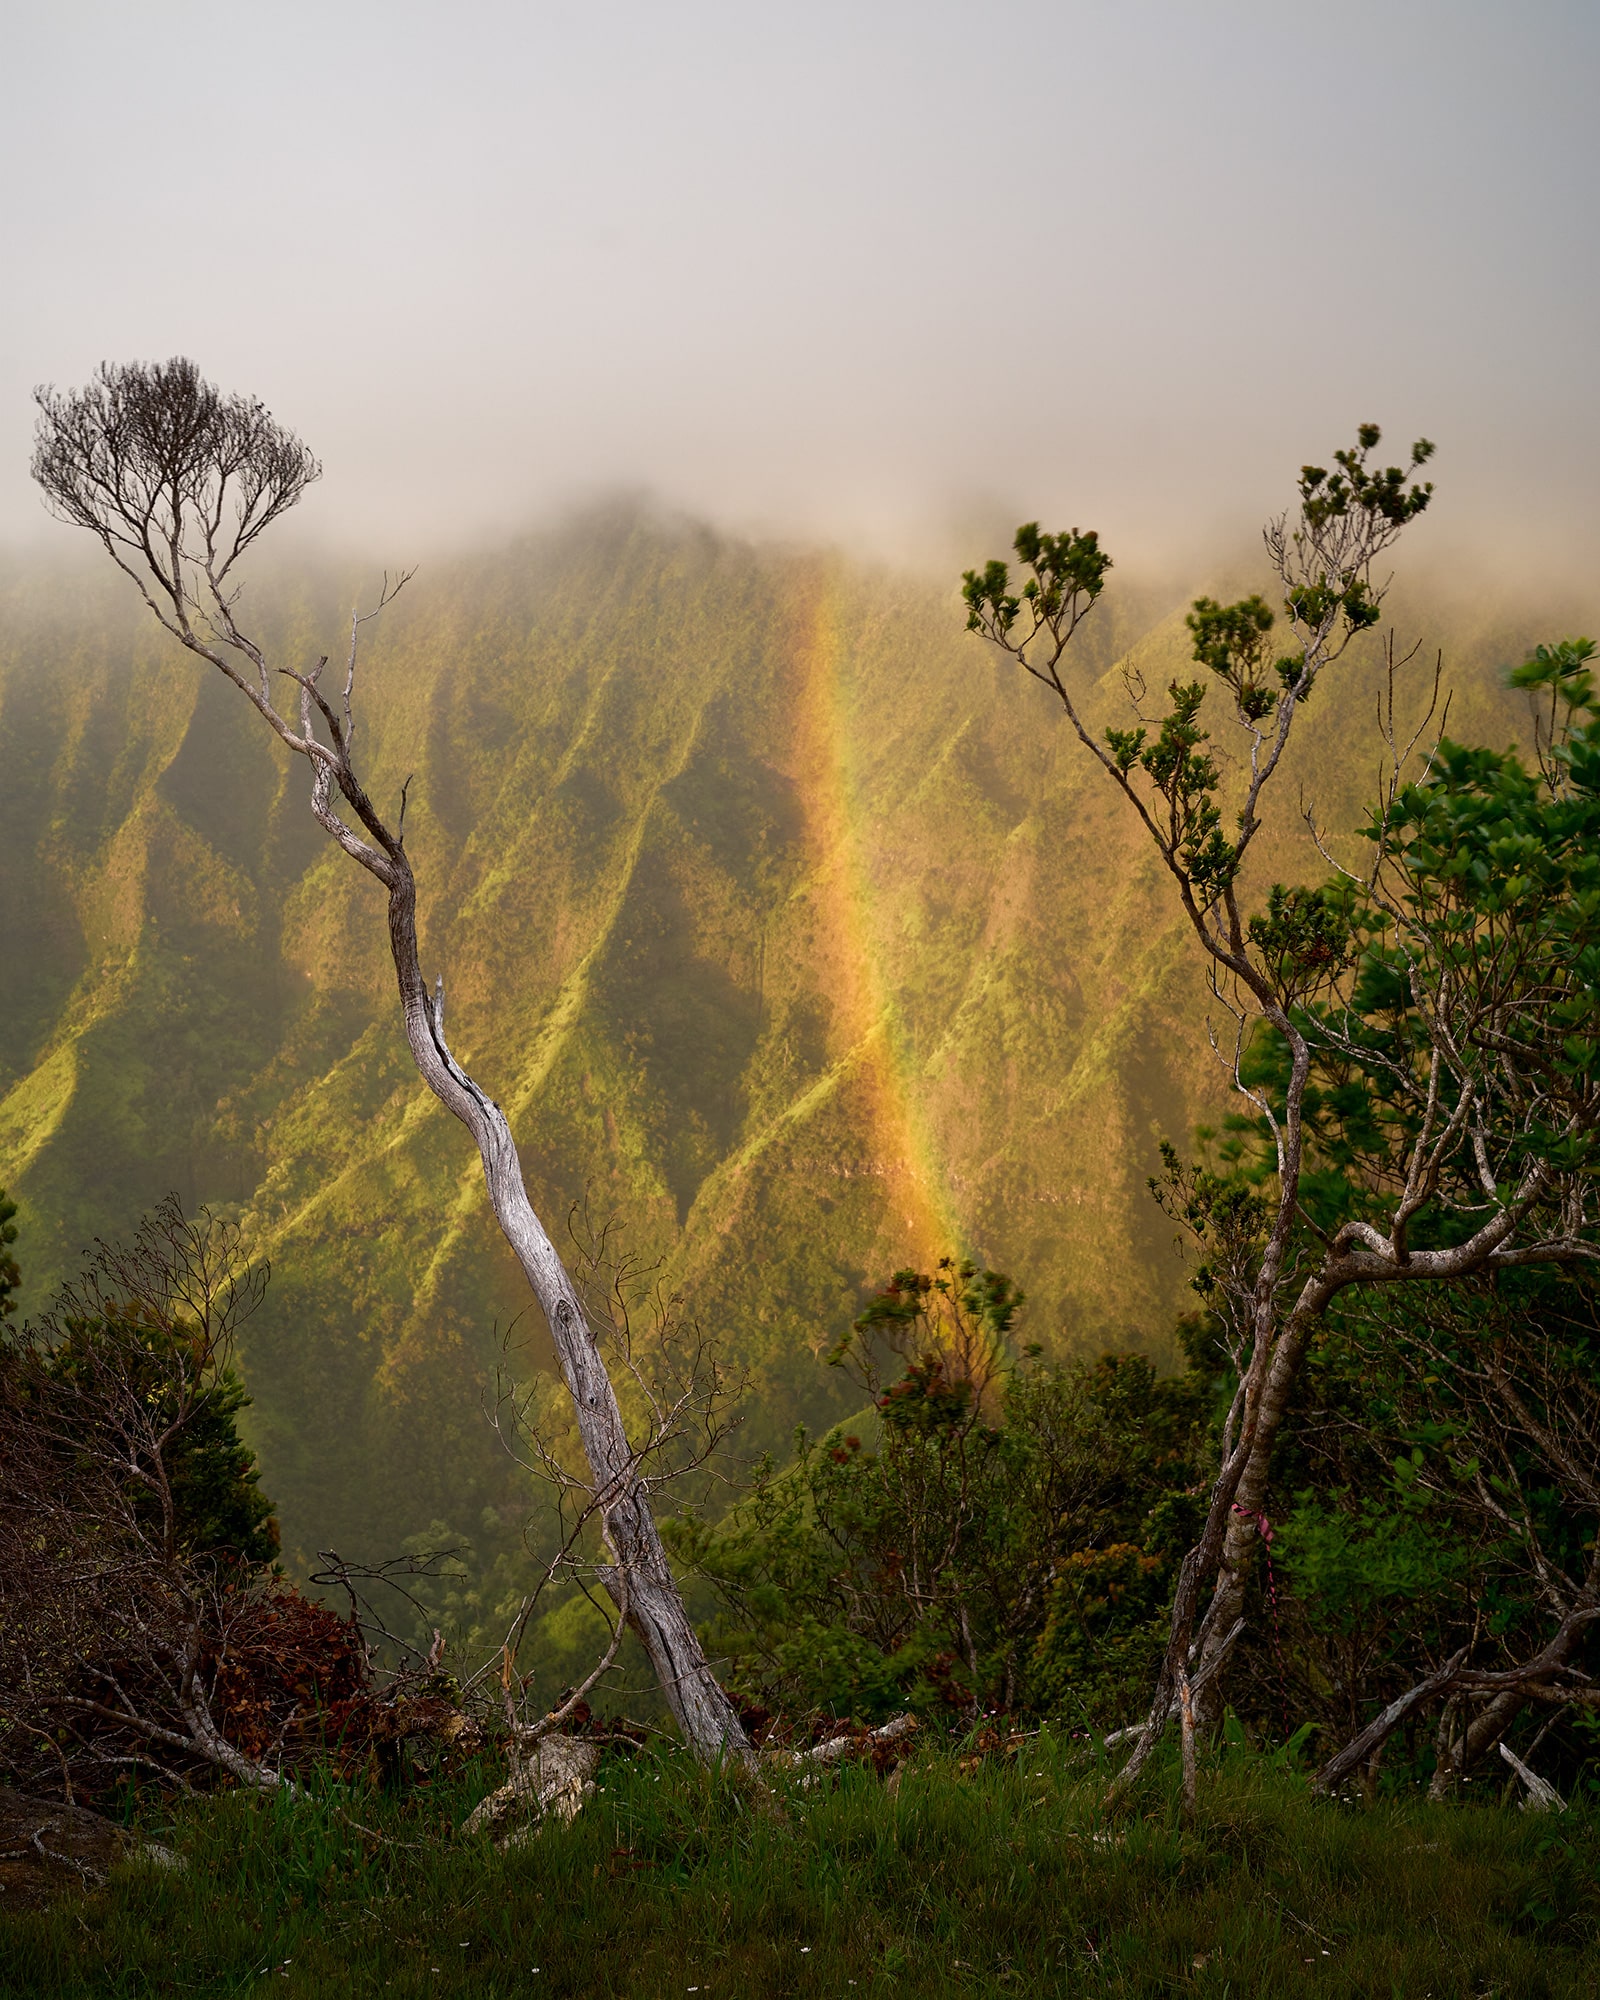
[[1009, 1879]]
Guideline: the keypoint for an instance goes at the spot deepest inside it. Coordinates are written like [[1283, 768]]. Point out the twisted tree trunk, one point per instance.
[[651, 1598]]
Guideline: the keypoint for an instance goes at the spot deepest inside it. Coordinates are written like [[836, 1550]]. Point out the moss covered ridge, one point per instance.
[[788, 926]]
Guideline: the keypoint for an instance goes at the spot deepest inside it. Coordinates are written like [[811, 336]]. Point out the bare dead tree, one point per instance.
[[679, 1404], [1484, 1120], [177, 482]]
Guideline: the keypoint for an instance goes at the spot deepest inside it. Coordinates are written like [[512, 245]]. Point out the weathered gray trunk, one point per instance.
[[1242, 1508], [652, 1601], [655, 1608]]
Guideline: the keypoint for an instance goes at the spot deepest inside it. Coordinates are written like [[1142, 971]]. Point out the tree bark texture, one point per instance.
[[652, 1600]]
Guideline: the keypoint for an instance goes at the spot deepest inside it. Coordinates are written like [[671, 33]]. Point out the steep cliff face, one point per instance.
[[789, 926]]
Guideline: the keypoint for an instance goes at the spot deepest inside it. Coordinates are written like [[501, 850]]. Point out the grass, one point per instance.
[[1009, 1879]]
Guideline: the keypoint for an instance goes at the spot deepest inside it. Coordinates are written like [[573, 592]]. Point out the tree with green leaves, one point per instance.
[[1444, 1466], [135, 1543], [1415, 1041], [992, 1534]]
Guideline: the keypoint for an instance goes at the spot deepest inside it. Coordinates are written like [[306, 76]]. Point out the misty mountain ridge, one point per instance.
[[791, 928]]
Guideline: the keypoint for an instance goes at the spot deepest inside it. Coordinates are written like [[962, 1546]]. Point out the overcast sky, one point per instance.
[[867, 269]]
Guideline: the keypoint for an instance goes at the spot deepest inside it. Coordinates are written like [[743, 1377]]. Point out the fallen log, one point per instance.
[[837, 1747]]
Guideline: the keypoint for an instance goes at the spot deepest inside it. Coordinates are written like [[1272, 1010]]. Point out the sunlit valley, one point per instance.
[[794, 933], [799, 1001]]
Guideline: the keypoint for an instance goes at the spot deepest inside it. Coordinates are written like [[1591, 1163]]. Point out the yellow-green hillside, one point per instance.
[[784, 921]]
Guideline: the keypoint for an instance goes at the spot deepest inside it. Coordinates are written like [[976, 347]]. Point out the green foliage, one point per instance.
[[1327, 499], [948, 1331], [216, 1481], [1482, 913], [130, 1374], [1354, 1556], [1359, 487], [218, 1507], [1564, 731], [10, 1275], [1424, 1500], [1104, 1632], [1564, 669], [1231, 639], [1225, 1213], [1501, 870], [1304, 938], [977, 1551], [1067, 574], [1185, 777]]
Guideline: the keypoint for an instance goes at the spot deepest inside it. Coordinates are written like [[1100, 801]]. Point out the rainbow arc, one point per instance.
[[869, 1028]]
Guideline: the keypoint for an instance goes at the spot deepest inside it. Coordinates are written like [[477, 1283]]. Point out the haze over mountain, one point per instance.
[[836, 270], [788, 925]]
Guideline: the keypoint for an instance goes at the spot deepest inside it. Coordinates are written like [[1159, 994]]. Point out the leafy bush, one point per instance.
[[935, 1553]]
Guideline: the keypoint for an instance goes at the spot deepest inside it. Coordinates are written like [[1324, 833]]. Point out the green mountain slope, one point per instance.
[[789, 926]]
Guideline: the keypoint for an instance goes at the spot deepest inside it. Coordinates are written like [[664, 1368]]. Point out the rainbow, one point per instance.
[[869, 1028]]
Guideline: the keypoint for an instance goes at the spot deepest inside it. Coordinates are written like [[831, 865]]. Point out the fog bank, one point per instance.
[[867, 273]]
